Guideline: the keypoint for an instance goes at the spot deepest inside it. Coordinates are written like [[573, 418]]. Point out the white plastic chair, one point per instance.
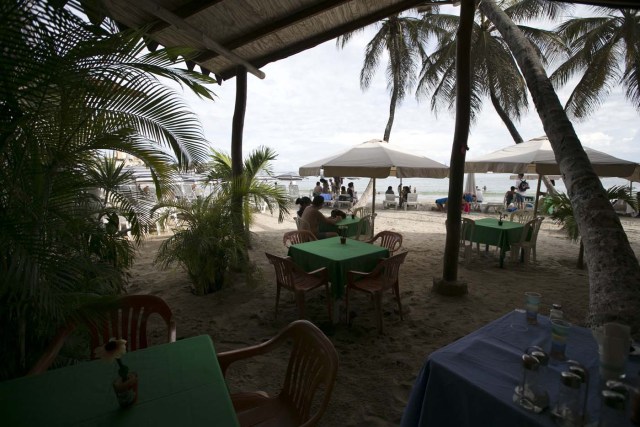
[[412, 200], [389, 200], [528, 245]]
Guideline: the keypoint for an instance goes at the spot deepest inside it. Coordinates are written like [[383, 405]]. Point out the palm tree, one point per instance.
[[403, 38], [614, 271], [247, 187], [69, 91], [605, 52], [559, 207], [495, 73]]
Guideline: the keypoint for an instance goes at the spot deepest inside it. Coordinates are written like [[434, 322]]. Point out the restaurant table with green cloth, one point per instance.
[[471, 381], [350, 223], [338, 258], [488, 231], [180, 383]]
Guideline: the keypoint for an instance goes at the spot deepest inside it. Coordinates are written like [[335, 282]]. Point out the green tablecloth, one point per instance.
[[179, 384], [338, 258], [488, 231], [350, 223]]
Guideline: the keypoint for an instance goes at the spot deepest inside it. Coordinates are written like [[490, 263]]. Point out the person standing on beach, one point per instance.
[[314, 218], [479, 195]]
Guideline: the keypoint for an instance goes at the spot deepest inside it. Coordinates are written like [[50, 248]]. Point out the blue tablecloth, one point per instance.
[[471, 381]]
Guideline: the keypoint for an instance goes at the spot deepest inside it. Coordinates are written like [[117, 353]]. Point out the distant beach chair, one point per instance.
[[412, 200], [389, 200]]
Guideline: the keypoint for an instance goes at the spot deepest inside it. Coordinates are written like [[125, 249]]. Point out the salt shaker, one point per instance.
[[530, 394], [556, 312], [566, 411], [613, 413]]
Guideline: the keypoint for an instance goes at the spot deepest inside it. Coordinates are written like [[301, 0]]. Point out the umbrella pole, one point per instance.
[[373, 207], [535, 205]]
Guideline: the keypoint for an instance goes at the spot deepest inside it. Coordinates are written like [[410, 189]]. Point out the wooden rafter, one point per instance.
[[185, 11]]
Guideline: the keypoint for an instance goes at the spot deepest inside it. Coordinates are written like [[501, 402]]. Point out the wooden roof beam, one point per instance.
[[272, 27], [182, 26], [331, 34]]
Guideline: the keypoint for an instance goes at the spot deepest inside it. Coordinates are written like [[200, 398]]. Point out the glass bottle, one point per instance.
[[612, 413], [567, 410]]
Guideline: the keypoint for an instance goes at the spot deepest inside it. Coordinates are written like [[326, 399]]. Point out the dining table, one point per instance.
[[493, 232], [350, 224], [180, 383], [338, 258], [471, 382]]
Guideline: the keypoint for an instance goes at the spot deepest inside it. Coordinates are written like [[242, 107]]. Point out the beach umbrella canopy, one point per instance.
[[289, 176], [376, 159], [536, 156]]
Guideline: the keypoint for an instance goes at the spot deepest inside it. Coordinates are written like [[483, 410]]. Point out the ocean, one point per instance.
[[494, 185]]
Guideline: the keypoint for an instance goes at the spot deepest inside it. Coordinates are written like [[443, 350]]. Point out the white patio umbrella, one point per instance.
[[289, 176], [376, 159], [536, 156]]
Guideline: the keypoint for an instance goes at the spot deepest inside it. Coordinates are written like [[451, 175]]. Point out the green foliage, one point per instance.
[[205, 244], [559, 208], [68, 92]]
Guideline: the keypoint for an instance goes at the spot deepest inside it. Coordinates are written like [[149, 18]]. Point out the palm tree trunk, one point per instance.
[[392, 113], [614, 272], [460, 137], [505, 118], [236, 152]]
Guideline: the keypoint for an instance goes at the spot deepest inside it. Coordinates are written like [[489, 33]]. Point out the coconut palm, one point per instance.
[[614, 271], [248, 187], [559, 207], [495, 73], [70, 91], [403, 39], [605, 52]]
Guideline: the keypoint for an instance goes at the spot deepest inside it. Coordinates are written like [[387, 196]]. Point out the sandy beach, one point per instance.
[[376, 372]]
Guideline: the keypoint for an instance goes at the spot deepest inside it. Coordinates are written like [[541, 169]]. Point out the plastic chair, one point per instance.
[[527, 241], [382, 278], [362, 211], [365, 227], [389, 200], [292, 277], [388, 239], [467, 230], [126, 319], [312, 366], [412, 200], [298, 236]]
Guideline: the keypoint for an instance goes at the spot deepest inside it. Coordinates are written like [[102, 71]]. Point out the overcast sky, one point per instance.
[[310, 105]]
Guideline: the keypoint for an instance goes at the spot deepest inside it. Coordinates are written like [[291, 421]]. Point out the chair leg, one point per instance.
[[396, 290], [533, 249], [277, 299], [527, 254], [377, 297], [329, 302], [300, 304], [346, 305]]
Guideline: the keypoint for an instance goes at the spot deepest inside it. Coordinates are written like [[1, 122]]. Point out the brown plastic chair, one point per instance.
[[297, 236], [313, 364], [388, 239], [365, 227], [383, 277], [292, 277], [126, 318], [528, 240]]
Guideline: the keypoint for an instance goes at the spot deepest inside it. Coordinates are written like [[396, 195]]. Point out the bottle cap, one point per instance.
[[613, 399], [570, 379]]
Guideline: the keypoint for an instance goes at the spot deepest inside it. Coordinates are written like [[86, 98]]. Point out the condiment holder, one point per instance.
[[530, 394]]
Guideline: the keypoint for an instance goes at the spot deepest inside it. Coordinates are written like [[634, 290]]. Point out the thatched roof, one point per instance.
[[229, 33]]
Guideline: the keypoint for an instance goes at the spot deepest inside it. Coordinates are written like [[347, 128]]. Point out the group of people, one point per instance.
[[331, 187], [514, 197], [402, 191], [309, 212]]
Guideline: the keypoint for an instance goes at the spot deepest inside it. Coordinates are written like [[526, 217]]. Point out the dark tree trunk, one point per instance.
[[614, 272], [236, 152], [392, 113], [505, 118], [580, 263], [460, 138]]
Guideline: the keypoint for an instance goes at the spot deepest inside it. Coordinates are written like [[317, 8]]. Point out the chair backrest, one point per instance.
[[529, 231], [128, 320], [303, 224], [467, 229], [312, 366], [298, 236], [534, 236], [389, 269], [390, 197], [388, 239], [412, 197], [284, 270]]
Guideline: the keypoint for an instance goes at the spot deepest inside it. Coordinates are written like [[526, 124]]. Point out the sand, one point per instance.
[[376, 372]]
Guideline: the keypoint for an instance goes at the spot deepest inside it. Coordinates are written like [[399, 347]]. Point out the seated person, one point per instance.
[[389, 190], [317, 190], [343, 194], [351, 192], [325, 186], [314, 217], [337, 213], [510, 196], [303, 202]]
